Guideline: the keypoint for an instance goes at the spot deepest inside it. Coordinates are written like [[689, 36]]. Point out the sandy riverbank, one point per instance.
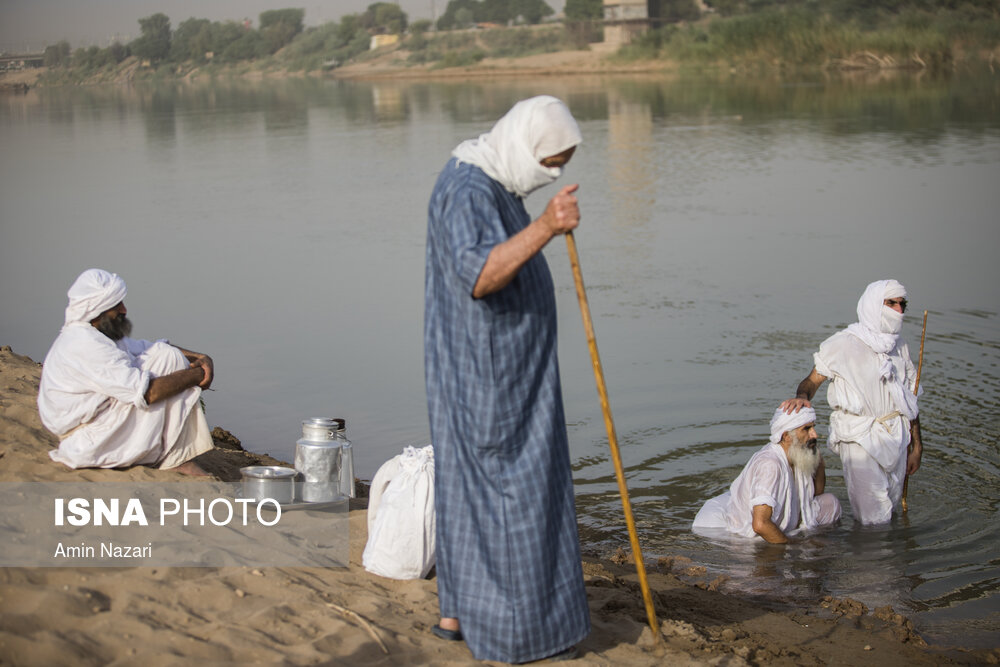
[[298, 616], [391, 64], [596, 60]]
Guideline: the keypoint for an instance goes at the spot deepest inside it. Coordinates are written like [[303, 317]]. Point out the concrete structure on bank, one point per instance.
[[17, 61], [626, 19], [379, 41]]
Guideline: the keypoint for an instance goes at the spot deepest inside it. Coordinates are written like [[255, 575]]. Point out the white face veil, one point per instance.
[[93, 292], [879, 325], [511, 152]]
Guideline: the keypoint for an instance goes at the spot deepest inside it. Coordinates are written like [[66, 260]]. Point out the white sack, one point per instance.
[[401, 516]]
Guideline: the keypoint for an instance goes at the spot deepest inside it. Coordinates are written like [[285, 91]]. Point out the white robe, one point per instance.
[[768, 479], [870, 422], [91, 395]]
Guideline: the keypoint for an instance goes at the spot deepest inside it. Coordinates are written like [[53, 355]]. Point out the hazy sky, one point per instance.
[[34, 24]]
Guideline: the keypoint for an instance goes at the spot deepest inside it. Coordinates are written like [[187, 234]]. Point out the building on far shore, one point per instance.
[[19, 61], [378, 41], [626, 19]]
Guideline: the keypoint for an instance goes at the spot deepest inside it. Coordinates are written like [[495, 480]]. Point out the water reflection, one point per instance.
[[630, 156], [918, 110], [159, 114], [390, 102]]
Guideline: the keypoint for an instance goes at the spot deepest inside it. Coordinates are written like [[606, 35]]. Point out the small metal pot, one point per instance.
[[275, 482]]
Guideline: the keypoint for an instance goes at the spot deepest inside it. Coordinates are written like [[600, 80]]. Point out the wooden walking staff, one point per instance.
[[609, 424], [916, 387]]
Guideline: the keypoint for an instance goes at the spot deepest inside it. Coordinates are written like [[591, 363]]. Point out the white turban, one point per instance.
[[94, 292], [511, 152], [878, 325], [782, 422]]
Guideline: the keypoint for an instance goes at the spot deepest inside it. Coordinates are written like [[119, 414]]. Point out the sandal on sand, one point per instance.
[[450, 635]]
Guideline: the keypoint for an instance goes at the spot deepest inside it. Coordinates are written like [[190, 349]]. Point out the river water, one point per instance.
[[729, 226]]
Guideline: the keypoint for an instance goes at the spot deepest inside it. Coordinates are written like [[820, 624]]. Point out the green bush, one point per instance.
[[460, 58], [247, 47], [513, 42], [420, 27]]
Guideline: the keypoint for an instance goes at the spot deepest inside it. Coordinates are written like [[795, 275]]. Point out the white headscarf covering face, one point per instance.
[[879, 325], [94, 292], [892, 320], [511, 152], [782, 422]]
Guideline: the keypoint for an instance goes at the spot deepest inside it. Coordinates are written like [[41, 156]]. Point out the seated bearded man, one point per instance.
[[115, 401], [781, 488]]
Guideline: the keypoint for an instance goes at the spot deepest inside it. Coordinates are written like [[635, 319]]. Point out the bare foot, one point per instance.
[[449, 624], [190, 468]]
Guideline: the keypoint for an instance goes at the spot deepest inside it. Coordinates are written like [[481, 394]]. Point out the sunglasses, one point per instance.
[[896, 302]]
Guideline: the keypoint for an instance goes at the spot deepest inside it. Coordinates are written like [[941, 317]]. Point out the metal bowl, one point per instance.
[[274, 482]]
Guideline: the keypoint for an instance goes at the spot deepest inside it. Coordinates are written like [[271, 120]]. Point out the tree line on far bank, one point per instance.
[[200, 40], [802, 30]]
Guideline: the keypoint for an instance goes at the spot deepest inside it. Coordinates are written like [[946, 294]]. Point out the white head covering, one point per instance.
[[878, 325], [782, 422], [94, 292], [510, 153], [805, 487]]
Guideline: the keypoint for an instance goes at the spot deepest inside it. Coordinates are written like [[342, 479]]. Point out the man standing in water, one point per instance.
[[781, 487], [510, 581], [875, 415]]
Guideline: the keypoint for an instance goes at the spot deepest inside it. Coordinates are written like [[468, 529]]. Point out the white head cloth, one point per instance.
[[510, 153], [782, 422], [94, 292], [878, 325]]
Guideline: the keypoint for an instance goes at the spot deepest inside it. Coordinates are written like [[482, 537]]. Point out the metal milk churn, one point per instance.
[[346, 460], [318, 456]]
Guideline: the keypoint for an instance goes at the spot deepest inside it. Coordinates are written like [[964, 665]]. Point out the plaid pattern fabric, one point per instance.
[[508, 555]]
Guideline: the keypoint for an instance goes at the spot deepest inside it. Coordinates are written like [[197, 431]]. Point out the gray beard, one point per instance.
[[114, 328], [803, 457]]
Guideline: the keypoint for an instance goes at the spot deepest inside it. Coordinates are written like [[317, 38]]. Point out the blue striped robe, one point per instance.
[[508, 553]]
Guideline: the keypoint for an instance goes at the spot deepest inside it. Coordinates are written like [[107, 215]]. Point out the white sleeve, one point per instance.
[[109, 370], [765, 482]]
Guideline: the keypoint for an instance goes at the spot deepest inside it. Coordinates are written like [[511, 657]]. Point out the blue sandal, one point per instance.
[[450, 635]]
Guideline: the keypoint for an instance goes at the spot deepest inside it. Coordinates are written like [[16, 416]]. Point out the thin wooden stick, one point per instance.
[[609, 424], [364, 623], [916, 387]]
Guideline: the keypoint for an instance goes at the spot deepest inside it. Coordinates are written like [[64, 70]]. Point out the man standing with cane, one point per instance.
[[510, 581]]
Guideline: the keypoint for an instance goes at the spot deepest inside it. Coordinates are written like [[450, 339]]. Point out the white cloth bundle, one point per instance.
[[401, 523]]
